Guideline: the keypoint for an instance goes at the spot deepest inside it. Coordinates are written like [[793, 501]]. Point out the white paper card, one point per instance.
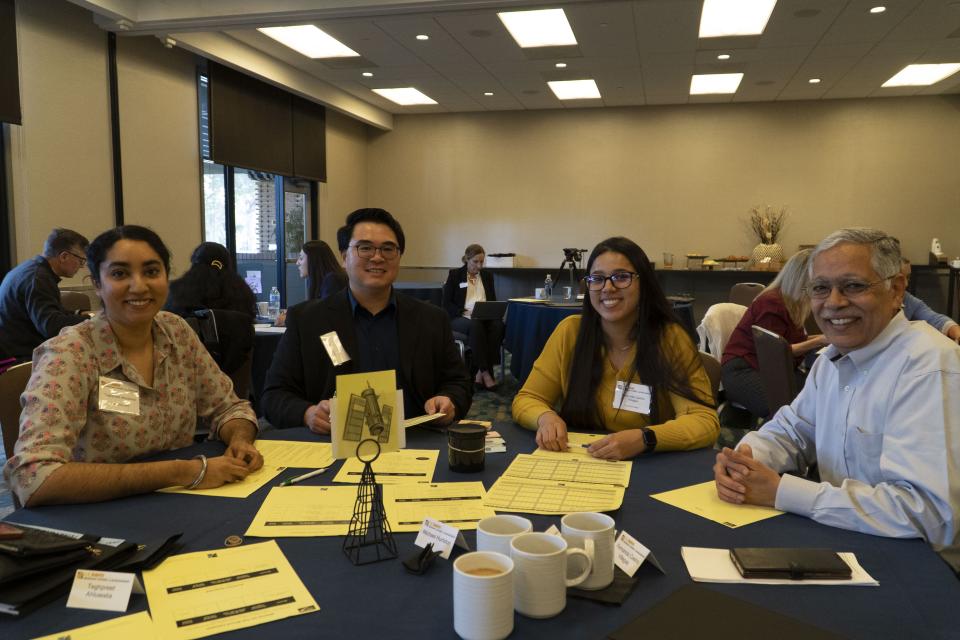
[[101, 590], [443, 537], [629, 554], [553, 530], [636, 398]]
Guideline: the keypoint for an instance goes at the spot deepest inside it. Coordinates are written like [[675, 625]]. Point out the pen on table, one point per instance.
[[305, 476]]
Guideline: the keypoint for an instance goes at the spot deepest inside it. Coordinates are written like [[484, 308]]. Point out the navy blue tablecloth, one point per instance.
[[528, 327], [915, 599]]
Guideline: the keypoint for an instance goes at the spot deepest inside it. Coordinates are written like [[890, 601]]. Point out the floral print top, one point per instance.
[[61, 420]]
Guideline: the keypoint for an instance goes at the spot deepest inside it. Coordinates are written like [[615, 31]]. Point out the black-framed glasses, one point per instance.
[[820, 289], [620, 280], [82, 259], [366, 250]]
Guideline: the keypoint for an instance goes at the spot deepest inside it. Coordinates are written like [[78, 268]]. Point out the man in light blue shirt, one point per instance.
[[879, 413], [916, 309]]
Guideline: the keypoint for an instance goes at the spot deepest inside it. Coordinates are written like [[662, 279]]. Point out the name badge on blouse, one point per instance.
[[331, 342], [463, 285], [119, 396], [634, 397]]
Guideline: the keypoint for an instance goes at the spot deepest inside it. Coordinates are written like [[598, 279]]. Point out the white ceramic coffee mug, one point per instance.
[[496, 532], [540, 573], [483, 596], [577, 528]]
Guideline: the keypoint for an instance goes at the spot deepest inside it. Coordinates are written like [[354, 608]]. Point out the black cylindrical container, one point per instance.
[[465, 444]]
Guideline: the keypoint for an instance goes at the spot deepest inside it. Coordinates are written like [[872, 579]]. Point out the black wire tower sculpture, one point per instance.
[[369, 538]]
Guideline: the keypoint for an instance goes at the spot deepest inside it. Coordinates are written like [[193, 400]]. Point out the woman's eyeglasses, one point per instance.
[[620, 280]]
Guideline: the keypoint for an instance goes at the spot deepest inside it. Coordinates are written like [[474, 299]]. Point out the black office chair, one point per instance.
[[777, 372], [228, 337]]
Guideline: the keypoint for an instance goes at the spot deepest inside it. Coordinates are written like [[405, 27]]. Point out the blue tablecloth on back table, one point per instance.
[[528, 327]]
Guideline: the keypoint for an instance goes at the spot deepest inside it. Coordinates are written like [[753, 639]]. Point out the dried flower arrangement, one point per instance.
[[768, 223]]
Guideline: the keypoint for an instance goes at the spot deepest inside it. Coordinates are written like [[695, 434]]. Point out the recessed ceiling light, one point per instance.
[[921, 75], [814, 80], [310, 41], [877, 9], [561, 65], [707, 83], [405, 96], [734, 17], [422, 36], [723, 56], [539, 28], [367, 74], [575, 89], [488, 93]]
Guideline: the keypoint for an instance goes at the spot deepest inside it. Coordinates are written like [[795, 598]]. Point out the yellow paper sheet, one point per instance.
[[577, 444], [549, 497], [350, 412], [241, 489], [567, 467], [395, 467], [304, 455], [412, 422], [136, 625], [304, 512], [702, 500], [195, 595], [459, 504]]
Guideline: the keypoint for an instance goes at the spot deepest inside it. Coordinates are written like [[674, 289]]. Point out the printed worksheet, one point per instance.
[[551, 497], [304, 511], [459, 504], [135, 625], [395, 467], [570, 469], [304, 455]]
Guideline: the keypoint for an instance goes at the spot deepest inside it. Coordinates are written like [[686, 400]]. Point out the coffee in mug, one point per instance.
[[483, 571], [483, 596]]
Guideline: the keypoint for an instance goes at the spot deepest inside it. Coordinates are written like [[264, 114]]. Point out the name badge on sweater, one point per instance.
[[336, 352], [632, 397], [119, 396]]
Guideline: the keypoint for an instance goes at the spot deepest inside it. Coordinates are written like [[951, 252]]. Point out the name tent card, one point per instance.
[[102, 590], [442, 536]]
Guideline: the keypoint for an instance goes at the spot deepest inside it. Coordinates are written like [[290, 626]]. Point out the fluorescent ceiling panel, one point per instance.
[[540, 28], [575, 89], [405, 96], [922, 75], [310, 41], [722, 18], [708, 83]]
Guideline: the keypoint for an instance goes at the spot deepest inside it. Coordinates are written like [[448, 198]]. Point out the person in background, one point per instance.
[[211, 283], [378, 328], [782, 308], [30, 307], [878, 415], [627, 336], [320, 267], [916, 309], [77, 438], [464, 287]]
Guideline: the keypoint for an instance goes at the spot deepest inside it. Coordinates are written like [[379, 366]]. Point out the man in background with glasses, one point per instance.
[[376, 327], [30, 307], [879, 414]]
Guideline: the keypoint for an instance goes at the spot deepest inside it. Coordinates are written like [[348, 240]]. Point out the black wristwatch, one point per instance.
[[649, 439]]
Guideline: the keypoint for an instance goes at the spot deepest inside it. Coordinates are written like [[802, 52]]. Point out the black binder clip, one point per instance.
[[421, 561]]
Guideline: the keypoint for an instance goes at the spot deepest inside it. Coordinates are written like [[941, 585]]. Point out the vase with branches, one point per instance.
[[767, 224]]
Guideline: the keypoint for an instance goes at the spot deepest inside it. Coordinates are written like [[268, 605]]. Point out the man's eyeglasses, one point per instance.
[[388, 251], [820, 289], [620, 280], [83, 260]]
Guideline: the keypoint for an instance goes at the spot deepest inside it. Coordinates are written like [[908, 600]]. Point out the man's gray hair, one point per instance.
[[884, 248]]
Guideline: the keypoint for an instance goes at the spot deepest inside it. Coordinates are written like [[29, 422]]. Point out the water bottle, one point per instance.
[[548, 287], [274, 305]]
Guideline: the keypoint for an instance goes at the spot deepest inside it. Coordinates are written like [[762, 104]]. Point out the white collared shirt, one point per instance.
[[475, 293]]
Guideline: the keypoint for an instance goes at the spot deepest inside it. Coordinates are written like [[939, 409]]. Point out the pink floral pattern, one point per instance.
[[61, 420]]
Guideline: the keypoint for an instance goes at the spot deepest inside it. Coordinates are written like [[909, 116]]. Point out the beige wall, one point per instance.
[[60, 157], [159, 143], [674, 179], [346, 186]]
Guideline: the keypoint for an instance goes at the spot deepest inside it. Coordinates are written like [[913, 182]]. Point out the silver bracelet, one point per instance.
[[203, 472]]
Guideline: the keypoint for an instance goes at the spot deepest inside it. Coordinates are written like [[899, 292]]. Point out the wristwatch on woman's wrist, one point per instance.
[[649, 439]]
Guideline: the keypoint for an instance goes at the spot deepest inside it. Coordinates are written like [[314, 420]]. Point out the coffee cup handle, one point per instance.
[[587, 552]]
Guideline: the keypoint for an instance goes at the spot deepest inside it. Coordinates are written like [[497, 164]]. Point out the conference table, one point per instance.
[[916, 596]]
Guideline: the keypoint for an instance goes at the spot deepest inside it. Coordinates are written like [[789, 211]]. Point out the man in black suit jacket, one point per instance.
[[377, 327]]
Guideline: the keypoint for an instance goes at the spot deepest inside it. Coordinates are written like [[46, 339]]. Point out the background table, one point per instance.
[[527, 329], [916, 597]]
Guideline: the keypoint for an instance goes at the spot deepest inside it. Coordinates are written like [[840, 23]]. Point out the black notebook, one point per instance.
[[41, 542], [790, 563]]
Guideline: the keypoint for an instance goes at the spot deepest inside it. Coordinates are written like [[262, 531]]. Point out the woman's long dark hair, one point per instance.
[[662, 372], [320, 262], [211, 283]]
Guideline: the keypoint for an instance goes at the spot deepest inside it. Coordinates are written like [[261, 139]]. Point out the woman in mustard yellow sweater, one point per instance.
[[626, 333]]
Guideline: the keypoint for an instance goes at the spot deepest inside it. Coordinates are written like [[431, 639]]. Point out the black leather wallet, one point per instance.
[[790, 563]]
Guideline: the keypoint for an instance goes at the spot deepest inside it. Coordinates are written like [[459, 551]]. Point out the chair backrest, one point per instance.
[[745, 292], [12, 384], [228, 336], [75, 301], [712, 366], [717, 326], [777, 371]]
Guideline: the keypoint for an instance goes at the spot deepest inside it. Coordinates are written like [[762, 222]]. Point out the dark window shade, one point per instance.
[[250, 122], [309, 140], [9, 67], [258, 126]]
